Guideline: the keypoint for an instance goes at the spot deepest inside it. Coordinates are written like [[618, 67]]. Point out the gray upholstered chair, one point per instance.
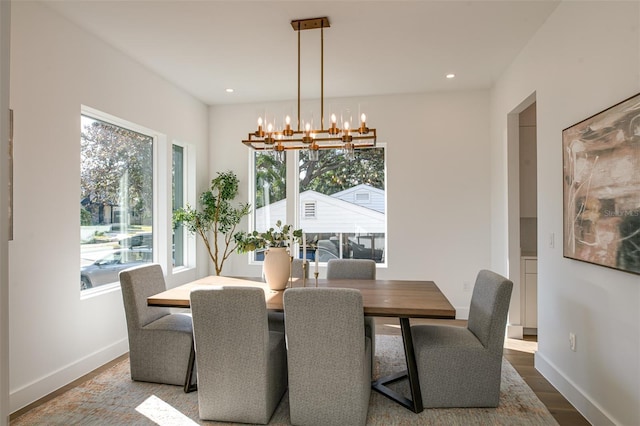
[[276, 319], [461, 366], [160, 343], [242, 366], [356, 269], [329, 357], [297, 271]]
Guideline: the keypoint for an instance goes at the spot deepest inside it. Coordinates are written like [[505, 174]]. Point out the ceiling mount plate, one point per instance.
[[310, 24]]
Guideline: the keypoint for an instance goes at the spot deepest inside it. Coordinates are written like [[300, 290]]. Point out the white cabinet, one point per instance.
[[529, 286]]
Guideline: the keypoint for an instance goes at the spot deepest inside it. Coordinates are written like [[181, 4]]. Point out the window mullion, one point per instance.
[[293, 183]]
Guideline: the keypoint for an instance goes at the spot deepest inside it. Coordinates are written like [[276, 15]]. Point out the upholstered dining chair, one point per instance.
[[242, 366], [461, 366], [329, 357], [276, 319], [356, 269], [160, 342]]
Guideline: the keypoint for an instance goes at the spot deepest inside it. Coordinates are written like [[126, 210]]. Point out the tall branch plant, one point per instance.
[[217, 220]]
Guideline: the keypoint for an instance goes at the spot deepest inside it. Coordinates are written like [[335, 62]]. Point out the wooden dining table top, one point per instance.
[[384, 298]]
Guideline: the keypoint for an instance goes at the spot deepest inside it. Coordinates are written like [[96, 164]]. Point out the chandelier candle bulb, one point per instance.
[[269, 137], [363, 130], [307, 134], [333, 130], [287, 128], [346, 137], [259, 133]]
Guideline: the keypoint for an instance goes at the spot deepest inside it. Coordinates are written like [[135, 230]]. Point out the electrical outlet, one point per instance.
[[572, 341]]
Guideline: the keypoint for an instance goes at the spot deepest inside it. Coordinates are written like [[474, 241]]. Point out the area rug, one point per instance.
[[112, 398]]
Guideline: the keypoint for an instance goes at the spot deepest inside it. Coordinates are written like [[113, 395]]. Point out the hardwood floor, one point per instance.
[[520, 354]]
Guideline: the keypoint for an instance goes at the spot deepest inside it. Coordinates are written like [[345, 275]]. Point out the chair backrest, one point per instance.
[[297, 271], [328, 357], [351, 269], [137, 284], [232, 344], [228, 318], [489, 309], [325, 325]]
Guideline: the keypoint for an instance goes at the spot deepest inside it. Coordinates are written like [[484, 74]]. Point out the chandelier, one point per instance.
[[279, 137]]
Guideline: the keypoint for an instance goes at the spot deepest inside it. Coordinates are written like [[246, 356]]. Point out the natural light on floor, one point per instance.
[[162, 413]]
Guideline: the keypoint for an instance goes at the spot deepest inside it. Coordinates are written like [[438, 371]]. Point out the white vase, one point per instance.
[[276, 267]]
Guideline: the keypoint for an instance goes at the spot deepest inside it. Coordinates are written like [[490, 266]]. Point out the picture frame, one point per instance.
[[601, 188]]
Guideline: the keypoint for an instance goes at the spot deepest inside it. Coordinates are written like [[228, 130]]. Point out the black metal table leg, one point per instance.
[[415, 403], [188, 387]]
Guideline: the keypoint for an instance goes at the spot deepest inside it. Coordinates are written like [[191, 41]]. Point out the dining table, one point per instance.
[[402, 299]]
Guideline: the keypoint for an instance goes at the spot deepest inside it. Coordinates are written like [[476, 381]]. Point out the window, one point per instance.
[[116, 199], [270, 195], [339, 204], [344, 226], [177, 201]]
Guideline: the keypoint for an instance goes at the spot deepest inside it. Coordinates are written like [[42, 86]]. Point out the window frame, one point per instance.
[[294, 208], [160, 192], [189, 197]]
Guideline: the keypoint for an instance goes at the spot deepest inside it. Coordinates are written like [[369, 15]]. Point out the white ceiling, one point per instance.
[[372, 47]]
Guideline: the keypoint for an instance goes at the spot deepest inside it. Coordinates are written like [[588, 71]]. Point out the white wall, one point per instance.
[[438, 177], [56, 67], [5, 35], [584, 59]]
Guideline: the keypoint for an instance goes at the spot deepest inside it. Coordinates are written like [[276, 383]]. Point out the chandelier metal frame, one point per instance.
[[267, 137]]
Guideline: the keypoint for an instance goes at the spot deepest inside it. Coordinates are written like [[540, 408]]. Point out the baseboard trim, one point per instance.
[[32, 392], [591, 410], [515, 332]]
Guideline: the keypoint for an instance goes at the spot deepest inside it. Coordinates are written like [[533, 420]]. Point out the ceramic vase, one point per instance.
[[276, 267]]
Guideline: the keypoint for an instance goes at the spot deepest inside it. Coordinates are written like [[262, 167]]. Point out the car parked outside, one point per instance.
[[141, 240], [105, 270]]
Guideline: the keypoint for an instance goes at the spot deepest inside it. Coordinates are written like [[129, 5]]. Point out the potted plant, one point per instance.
[[216, 222], [277, 261]]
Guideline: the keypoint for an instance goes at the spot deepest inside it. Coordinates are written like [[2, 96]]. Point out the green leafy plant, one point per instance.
[[216, 222], [273, 237]]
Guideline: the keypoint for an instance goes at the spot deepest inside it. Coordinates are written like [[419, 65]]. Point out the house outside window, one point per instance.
[[116, 199], [339, 204]]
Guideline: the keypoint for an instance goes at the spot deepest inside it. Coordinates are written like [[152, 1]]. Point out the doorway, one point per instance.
[[528, 219], [522, 218]]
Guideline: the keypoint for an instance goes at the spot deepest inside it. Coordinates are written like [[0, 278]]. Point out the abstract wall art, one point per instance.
[[601, 161]]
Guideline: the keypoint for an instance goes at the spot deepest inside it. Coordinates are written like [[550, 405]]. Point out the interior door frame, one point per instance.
[[515, 328]]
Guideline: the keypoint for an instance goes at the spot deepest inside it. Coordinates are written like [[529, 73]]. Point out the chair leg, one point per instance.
[[188, 387]]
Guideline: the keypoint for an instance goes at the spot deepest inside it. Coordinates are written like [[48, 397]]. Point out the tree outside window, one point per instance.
[[116, 200]]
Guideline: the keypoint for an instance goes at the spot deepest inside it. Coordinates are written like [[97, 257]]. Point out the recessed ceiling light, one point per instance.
[[450, 76], [228, 90]]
